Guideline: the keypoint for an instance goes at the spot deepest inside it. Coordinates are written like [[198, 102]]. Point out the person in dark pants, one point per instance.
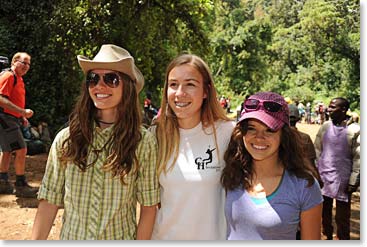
[[338, 159], [12, 116], [308, 147]]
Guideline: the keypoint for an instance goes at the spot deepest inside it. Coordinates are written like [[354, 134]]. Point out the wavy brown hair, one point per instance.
[[239, 170], [167, 129], [125, 137]]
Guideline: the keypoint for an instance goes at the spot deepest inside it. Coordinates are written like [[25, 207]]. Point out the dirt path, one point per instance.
[[17, 214]]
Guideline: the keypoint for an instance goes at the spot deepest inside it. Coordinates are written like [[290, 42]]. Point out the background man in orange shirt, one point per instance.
[[12, 115]]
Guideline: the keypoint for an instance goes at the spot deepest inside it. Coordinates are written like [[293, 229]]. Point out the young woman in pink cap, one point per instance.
[[270, 189]]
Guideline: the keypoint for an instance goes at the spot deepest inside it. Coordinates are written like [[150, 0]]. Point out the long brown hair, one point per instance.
[[167, 129], [239, 170], [125, 136]]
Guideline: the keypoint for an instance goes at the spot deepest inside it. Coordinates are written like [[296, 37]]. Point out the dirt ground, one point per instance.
[[17, 214]]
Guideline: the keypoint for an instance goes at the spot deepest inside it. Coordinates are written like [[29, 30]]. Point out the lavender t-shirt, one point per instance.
[[275, 217]]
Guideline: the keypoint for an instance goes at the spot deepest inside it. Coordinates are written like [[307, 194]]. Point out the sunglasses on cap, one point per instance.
[[110, 79], [268, 105]]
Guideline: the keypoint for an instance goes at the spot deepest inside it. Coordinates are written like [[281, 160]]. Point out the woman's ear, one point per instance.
[[206, 92]]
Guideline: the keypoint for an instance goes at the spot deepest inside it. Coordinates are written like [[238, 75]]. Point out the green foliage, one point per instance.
[[55, 32], [239, 43], [308, 50]]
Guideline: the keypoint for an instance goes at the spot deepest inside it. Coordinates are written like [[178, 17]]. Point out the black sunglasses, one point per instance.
[[268, 105], [110, 79]]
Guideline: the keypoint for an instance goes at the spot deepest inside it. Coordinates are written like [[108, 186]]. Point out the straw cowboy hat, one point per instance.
[[113, 57]]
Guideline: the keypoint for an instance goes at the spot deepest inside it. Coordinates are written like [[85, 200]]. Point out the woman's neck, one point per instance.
[[103, 122], [268, 168], [267, 178], [188, 123], [106, 118]]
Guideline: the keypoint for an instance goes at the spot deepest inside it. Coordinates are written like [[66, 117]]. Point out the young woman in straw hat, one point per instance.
[[268, 180], [192, 132], [104, 162]]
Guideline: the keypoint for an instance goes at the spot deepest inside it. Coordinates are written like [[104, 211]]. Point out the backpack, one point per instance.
[[35, 147], [14, 76]]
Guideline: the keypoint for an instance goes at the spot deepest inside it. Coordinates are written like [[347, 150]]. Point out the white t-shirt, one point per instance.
[[192, 198]]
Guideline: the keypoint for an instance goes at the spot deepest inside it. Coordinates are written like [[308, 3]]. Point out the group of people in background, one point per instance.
[[319, 113], [225, 103], [336, 156], [195, 173]]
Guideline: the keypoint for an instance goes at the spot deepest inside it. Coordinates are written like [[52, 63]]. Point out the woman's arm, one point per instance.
[[146, 222], [311, 223], [44, 219]]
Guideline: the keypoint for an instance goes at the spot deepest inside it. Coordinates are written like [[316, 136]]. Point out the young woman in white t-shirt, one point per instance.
[[193, 132]]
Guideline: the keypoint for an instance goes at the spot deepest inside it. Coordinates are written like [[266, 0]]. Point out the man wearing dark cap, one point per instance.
[[308, 144]]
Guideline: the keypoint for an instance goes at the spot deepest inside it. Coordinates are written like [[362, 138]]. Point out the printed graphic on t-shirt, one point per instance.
[[203, 162]]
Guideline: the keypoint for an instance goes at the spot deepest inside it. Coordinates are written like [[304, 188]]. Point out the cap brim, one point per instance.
[[270, 121]]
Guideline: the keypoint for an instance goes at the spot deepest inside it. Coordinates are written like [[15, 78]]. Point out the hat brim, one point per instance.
[[125, 66], [270, 121]]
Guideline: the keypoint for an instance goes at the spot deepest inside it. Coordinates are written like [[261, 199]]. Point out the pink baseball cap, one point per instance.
[[271, 118]]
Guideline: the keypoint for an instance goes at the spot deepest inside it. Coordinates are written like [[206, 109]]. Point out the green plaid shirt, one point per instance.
[[97, 206]]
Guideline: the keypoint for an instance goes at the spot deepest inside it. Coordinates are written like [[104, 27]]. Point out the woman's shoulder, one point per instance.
[[227, 123], [60, 137], [62, 134], [223, 125], [148, 135], [290, 177], [296, 193], [236, 192], [299, 183], [152, 129]]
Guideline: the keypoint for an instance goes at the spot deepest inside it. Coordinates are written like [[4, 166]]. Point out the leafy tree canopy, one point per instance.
[[308, 50]]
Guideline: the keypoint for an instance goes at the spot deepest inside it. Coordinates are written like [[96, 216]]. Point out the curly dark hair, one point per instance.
[[125, 137], [239, 170]]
